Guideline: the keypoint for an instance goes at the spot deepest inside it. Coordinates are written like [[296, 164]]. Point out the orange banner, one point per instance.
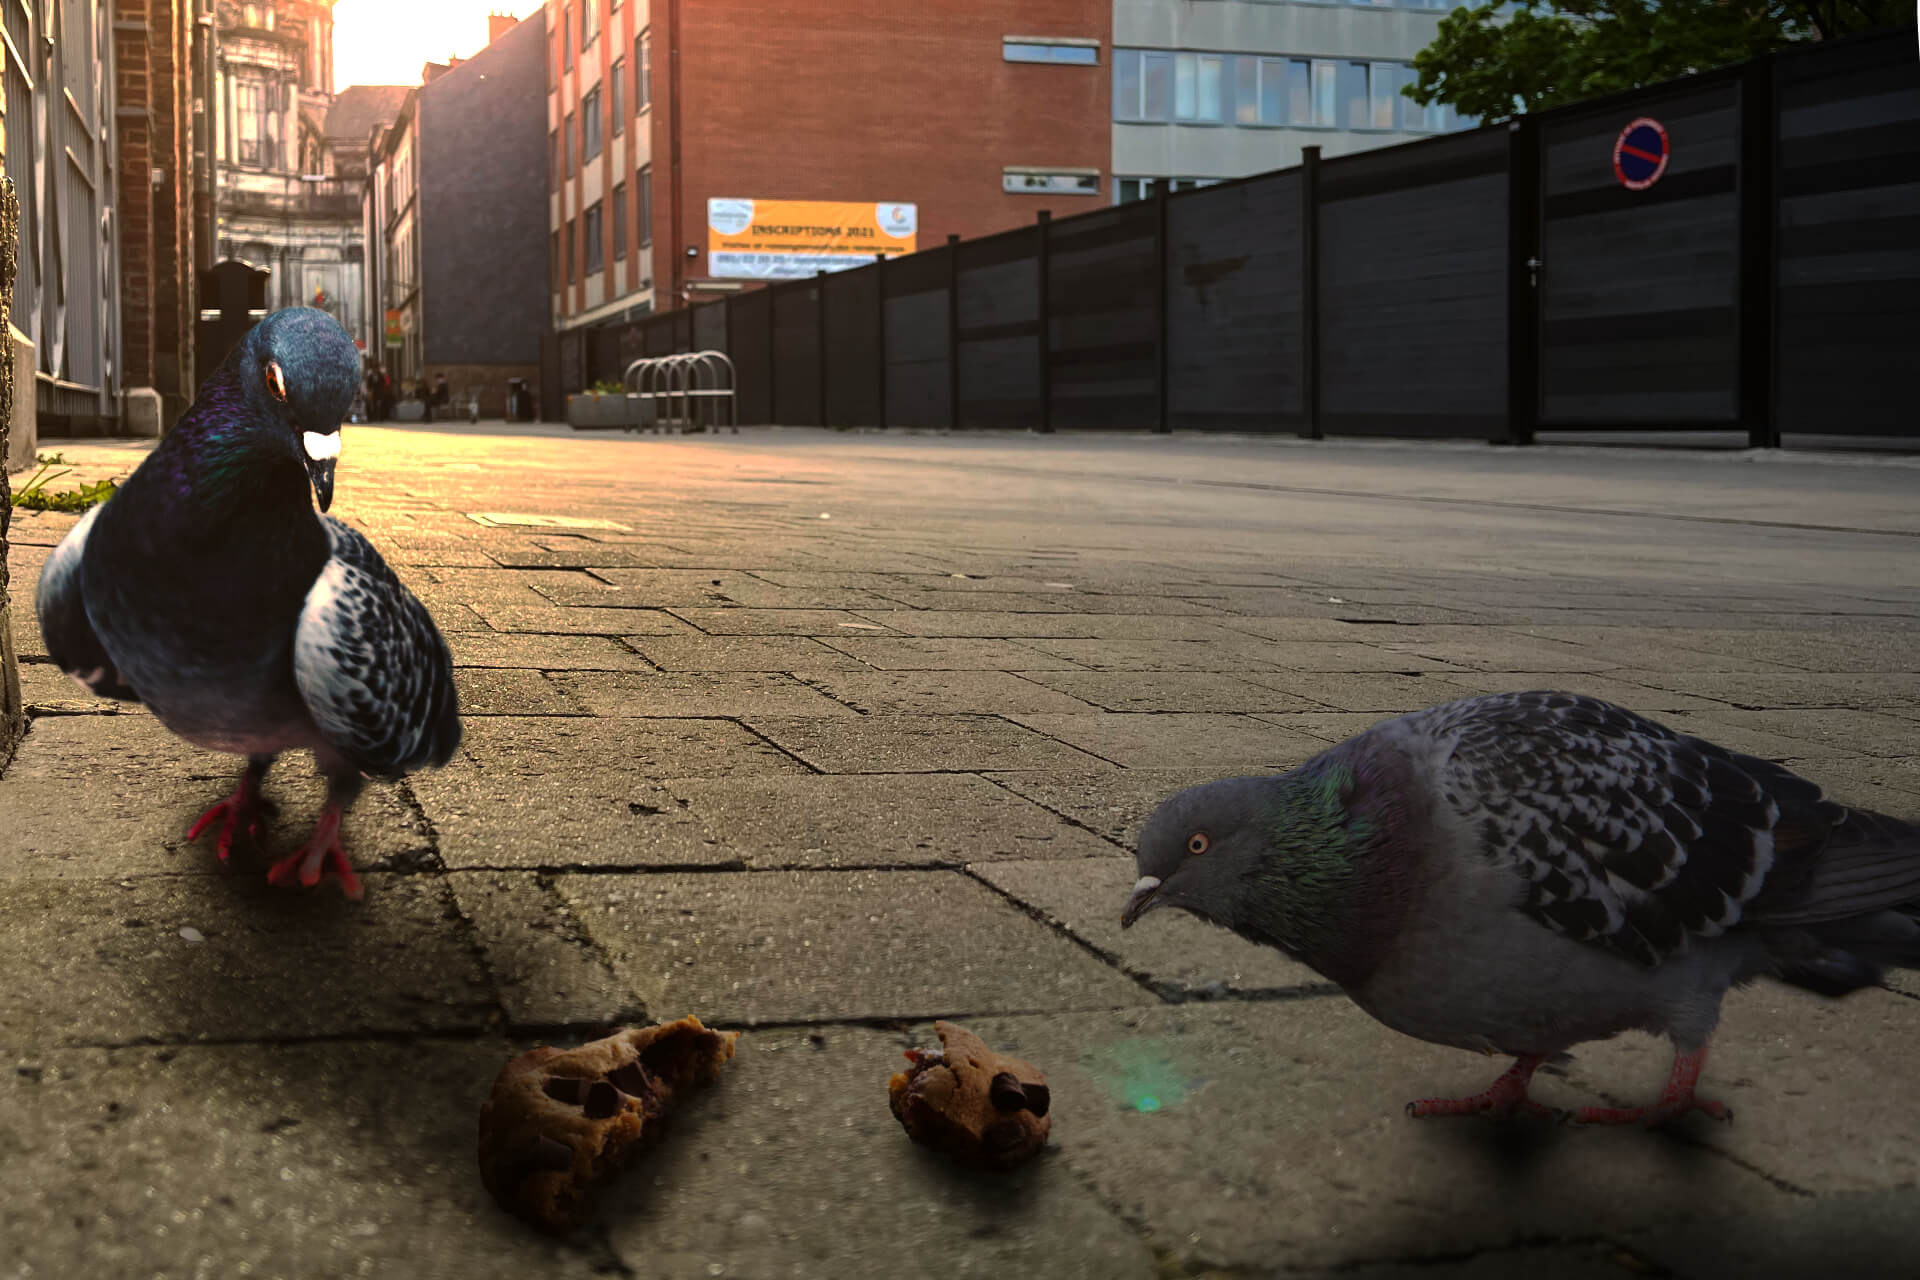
[[790, 239]]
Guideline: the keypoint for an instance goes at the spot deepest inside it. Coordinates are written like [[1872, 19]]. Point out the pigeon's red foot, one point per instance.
[[321, 850], [1676, 1100], [242, 813], [1504, 1097]]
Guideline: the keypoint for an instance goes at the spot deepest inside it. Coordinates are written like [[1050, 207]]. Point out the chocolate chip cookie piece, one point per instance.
[[978, 1106], [561, 1121]]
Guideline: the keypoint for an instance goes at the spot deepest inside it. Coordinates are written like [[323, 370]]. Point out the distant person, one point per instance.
[[442, 394]]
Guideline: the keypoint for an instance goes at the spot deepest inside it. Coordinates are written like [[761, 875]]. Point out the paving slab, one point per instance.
[[589, 818], [630, 747], [701, 589], [1115, 802], [699, 694], [539, 960], [1167, 691], [941, 692], [1377, 693], [1238, 655], [1827, 729], [889, 653], [919, 744], [821, 946], [940, 819], [743, 653], [1855, 691], [543, 652], [490, 691], [1178, 956], [1061, 625], [1621, 685], [553, 620], [1266, 1135], [776, 622], [353, 1158], [1178, 740], [106, 962]]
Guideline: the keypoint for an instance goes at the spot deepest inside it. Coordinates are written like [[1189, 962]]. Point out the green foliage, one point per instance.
[[607, 387], [33, 495], [1550, 52]]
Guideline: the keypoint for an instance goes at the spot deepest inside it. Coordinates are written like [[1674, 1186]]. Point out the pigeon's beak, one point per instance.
[[323, 450], [1142, 900]]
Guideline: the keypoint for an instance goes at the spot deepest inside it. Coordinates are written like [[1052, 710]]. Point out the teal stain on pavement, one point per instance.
[[1139, 1075]]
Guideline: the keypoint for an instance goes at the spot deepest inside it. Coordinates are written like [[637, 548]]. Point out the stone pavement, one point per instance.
[[825, 735]]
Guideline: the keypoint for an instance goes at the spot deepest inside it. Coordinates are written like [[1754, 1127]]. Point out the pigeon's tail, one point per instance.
[[1860, 908]]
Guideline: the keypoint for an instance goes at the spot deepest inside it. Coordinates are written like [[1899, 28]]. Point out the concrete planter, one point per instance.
[[593, 411]]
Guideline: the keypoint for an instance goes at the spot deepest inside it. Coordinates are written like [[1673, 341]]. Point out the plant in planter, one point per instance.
[[605, 406]]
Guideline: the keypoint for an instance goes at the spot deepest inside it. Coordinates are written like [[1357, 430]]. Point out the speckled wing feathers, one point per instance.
[[62, 608], [371, 665], [1628, 834]]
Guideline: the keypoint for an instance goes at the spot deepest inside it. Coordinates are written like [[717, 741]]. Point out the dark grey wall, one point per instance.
[[483, 204]]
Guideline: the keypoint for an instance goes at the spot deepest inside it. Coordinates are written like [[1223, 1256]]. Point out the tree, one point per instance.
[[1550, 52]]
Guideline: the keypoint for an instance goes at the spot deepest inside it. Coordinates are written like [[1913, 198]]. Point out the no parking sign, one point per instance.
[[1640, 154]]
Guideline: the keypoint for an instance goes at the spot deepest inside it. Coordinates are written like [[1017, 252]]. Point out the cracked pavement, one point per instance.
[[833, 734]]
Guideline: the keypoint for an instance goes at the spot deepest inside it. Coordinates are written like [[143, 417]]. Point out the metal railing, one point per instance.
[[684, 391]]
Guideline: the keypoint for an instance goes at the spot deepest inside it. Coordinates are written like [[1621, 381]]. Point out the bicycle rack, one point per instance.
[[683, 391]]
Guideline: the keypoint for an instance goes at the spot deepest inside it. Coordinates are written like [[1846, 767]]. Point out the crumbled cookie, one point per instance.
[[978, 1106], [561, 1121]]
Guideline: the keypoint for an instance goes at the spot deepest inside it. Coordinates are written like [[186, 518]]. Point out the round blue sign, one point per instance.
[[1640, 154]]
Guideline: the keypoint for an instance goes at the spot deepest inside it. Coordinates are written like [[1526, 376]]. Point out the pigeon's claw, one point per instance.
[[1504, 1097], [1676, 1100], [321, 852], [241, 814]]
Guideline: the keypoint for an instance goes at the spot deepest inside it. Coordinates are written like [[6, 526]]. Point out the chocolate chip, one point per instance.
[[549, 1153], [631, 1080], [1006, 1093], [603, 1100], [1039, 1098], [566, 1089]]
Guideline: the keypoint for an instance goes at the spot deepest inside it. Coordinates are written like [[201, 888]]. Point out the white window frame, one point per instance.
[[1065, 51]]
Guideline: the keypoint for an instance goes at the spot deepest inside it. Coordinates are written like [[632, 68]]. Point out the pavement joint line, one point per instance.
[[1060, 928], [1513, 1244], [796, 758], [1067, 818], [1678, 1134]]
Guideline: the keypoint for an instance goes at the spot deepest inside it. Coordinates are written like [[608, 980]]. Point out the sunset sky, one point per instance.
[[386, 41]]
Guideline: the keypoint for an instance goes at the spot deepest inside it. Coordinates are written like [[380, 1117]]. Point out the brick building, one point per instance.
[[454, 228], [977, 114]]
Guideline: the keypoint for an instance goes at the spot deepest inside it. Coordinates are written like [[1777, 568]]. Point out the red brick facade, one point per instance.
[[153, 99], [877, 100]]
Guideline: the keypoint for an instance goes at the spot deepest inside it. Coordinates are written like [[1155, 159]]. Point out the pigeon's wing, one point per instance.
[[372, 667], [62, 606], [1628, 834]]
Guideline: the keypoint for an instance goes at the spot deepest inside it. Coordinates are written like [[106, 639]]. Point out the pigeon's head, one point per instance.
[[1266, 857], [301, 366]]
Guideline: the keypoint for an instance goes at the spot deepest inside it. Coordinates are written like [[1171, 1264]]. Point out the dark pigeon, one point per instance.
[[209, 589], [1521, 872]]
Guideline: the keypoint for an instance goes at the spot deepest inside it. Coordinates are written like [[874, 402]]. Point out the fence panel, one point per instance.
[[1639, 289], [1234, 324], [796, 354], [999, 330], [1103, 298], [710, 326], [1413, 289], [752, 354], [919, 387], [853, 347], [1847, 239]]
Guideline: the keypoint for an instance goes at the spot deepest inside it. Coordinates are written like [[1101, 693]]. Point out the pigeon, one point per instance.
[[210, 590], [1519, 873]]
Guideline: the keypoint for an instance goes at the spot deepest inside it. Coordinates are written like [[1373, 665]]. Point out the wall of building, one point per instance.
[[482, 222], [1388, 34], [875, 101]]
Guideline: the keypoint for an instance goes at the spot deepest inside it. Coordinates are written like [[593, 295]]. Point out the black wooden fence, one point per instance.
[[1485, 285]]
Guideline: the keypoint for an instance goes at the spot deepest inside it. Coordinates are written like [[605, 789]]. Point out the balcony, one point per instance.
[[289, 196]]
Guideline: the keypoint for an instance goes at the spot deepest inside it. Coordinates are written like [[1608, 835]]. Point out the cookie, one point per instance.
[[980, 1107], [559, 1122]]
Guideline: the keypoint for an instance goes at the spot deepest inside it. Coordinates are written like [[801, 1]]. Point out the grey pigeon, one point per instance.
[[209, 589], [1521, 872]]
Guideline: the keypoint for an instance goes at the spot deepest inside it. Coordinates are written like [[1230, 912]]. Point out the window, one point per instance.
[[589, 23], [566, 143], [642, 71], [1199, 80], [1019, 180], [617, 95], [590, 125], [1128, 190], [566, 37], [257, 105], [643, 203], [558, 165], [566, 249], [590, 227], [619, 216], [1141, 79], [1354, 111], [1043, 49], [1384, 84], [1324, 97], [553, 260]]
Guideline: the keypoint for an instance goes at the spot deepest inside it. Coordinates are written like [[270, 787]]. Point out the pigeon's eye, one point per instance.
[[1198, 843], [276, 380]]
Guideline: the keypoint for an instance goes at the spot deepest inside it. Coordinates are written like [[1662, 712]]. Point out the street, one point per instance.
[[821, 736]]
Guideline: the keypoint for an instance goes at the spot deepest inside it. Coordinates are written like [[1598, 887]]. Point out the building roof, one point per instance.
[[357, 109]]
